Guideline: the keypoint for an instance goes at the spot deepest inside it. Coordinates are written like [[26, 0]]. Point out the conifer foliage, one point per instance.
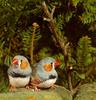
[[64, 25]]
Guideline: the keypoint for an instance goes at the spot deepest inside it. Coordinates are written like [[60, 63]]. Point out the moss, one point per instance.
[[87, 92], [59, 93]]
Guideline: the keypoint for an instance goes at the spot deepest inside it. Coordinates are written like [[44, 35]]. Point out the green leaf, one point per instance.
[[75, 2], [81, 76], [8, 60]]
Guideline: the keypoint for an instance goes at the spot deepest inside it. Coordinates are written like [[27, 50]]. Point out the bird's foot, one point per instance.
[[53, 86], [12, 89], [36, 89], [27, 87], [34, 85]]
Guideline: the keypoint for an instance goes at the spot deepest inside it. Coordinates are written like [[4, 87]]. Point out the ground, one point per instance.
[[59, 93]]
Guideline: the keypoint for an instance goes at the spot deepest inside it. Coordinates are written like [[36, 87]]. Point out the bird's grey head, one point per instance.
[[47, 60], [20, 61], [46, 64]]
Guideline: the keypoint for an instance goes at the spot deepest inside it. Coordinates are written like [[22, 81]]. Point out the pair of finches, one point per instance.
[[41, 75]]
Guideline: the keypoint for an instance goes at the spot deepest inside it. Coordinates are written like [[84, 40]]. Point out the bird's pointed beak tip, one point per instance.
[[15, 61]]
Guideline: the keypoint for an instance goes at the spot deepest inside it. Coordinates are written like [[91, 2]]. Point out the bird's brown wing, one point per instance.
[[35, 80]]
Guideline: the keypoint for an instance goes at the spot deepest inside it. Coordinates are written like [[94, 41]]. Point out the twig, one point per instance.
[[70, 81], [52, 24], [52, 12], [35, 26]]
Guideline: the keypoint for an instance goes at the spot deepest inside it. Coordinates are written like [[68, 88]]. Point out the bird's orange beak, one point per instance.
[[57, 63], [15, 62]]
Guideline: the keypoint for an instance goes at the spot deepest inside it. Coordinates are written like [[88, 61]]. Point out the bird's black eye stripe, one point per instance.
[[18, 75], [51, 63], [21, 61], [52, 76]]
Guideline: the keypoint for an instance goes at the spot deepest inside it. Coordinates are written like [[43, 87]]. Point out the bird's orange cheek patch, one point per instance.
[[48, 67], [23, 65]]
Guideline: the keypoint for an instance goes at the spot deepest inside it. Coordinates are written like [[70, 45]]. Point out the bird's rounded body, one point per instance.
[[19, 82], [19, 72], [47, 84], [44, 75]]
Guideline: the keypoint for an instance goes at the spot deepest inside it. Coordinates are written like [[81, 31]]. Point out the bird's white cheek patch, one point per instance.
[[19, 82]]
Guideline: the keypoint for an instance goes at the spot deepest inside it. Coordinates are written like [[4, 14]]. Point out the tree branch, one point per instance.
[[46, 11], [52, 25], [58, 39], [52, 12]]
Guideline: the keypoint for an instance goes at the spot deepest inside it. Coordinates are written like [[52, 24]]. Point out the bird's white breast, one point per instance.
[[19, 82], [47, 83]]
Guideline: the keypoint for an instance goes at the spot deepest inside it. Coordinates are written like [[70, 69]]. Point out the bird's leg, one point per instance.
[[35, 87], [27, 87], [34, 84], [53, 86], [12, 88]]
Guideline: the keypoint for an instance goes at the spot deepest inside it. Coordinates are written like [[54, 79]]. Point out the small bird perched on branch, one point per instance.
[[44, 74], [19, 72]]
